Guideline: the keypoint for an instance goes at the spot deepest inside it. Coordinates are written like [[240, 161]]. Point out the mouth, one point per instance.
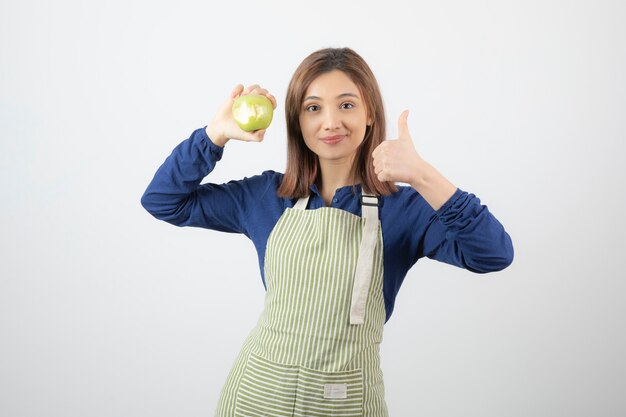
[[331, 140]]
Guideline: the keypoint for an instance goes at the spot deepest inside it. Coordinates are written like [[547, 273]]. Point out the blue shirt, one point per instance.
[[462, 232]]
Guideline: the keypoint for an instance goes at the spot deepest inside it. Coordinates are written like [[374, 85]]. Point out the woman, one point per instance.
[[335, 237]]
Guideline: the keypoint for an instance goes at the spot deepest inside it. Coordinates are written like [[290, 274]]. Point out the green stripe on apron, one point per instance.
[[315, 349]]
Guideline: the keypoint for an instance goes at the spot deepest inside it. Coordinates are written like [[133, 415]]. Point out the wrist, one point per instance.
[[215, 137], [422, 174], [434, 187]]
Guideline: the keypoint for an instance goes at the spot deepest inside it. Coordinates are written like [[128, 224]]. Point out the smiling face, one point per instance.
[[333, 118]]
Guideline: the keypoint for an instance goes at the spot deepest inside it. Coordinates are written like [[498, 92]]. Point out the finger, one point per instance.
[[259, 91], [403, 126], [259, 135], [378, 150], [249, 88], [236, 91], [379, 166], [272, 99]]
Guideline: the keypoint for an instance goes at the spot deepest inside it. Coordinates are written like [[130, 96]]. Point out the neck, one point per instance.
[[334, 175]]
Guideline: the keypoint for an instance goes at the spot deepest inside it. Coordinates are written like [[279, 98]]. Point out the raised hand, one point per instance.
[[223, 127], [398, 161]]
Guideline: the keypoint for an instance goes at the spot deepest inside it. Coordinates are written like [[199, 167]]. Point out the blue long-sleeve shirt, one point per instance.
[[462, 232]]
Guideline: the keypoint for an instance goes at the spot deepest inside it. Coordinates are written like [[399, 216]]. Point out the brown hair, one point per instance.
[[302, 163]]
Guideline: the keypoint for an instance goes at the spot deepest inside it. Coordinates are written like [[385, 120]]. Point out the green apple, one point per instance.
[[253, 112]]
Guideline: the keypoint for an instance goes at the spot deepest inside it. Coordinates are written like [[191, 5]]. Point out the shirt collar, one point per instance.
[[339, 191]]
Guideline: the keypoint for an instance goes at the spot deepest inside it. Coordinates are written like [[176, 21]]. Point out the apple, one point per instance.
[[252, 112]]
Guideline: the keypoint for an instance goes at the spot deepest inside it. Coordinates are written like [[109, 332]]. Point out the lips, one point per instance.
[[331, 140]]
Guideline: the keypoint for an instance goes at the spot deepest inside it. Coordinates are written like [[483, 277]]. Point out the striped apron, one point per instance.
[[315, 349]]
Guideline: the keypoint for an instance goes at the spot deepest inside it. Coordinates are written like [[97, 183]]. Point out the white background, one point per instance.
[[105, 311]]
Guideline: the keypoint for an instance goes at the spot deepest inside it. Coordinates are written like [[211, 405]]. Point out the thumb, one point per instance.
[[403, 126], [255, 136]]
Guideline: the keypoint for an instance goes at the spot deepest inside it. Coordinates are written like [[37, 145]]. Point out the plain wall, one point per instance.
[[105, 311]]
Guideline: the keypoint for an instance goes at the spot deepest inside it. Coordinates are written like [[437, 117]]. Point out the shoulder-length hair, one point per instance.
[[302, 164]]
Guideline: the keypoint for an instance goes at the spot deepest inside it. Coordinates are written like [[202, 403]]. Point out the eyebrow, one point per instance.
[[342, 95]]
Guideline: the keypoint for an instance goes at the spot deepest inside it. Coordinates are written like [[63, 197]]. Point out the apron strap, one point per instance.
[[365, 261], [301, 203]]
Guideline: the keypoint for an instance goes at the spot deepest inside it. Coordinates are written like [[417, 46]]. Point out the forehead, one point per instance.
[[331, 84]]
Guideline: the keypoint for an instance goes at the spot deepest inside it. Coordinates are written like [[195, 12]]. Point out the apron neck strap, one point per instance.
[[364, 264], [369, 204], [301, 203]]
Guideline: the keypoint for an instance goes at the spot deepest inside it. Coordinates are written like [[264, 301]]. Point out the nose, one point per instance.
[[332, 119]]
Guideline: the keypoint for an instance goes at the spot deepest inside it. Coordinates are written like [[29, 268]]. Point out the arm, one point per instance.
[[175, 194], [467, 235], [453, 226]]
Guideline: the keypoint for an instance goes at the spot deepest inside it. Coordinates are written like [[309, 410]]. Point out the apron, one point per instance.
[[315, 349]]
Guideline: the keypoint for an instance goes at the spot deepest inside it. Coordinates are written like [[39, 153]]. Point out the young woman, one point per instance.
[[334, 234]]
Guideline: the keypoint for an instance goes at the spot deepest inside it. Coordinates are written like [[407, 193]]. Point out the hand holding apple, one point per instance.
[[223, 127], [252, 112]]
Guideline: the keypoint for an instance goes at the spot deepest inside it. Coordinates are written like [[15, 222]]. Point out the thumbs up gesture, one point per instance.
[[397, 160]]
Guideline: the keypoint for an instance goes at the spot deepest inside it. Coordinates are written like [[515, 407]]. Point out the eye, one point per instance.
[[347, 105], [312, 107]]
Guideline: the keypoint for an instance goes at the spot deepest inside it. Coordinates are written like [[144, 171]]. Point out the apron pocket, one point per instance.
[[327, 394], [273, 389], [266, 389]]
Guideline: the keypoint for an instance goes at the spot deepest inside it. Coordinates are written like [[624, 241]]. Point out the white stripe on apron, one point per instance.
[[315, 350]]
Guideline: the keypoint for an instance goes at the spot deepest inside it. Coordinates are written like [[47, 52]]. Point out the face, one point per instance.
[[333, 117]]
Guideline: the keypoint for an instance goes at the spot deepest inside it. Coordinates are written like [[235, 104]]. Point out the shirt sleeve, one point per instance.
[[176, 196], [466, 234]]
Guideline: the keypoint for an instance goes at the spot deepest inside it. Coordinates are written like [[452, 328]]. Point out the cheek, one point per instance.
[[304, 126], [306, 134], [309, 130], [359, 127], [358, 121]]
